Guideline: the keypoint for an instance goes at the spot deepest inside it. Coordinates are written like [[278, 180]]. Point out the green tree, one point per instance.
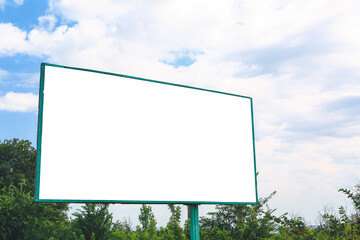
[[145, 217], [148, 224], [342, 225], [17, 162], [331, 225], [20, 216], [173, 229], [240, 221], [354, 195], [94, 221], [174, 222], [124, 231], [187, 228], [293, 228]]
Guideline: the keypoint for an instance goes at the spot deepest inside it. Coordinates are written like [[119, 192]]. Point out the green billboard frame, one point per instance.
[[40, 132]]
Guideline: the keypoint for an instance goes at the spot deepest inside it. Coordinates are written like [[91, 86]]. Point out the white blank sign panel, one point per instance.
[[106, 137]]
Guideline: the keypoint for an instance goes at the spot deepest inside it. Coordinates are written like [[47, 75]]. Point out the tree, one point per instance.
[[354, 195], [173, 229], [94, 221], [240, 221], [17, 162], [20, 216], [293, 228], [145, 217]]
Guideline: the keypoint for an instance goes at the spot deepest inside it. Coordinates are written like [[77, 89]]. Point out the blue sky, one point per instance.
[[299, 62]]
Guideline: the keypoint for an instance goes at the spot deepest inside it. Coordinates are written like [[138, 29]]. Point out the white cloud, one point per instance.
[[13, 40], [19, 102], [47, 22]]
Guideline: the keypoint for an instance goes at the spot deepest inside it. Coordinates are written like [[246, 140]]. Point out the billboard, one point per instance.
[[105, 137]]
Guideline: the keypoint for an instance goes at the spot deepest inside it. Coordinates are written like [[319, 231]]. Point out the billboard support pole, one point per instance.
[[193, 211]]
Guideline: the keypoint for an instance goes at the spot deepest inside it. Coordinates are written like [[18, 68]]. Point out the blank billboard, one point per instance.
[[105, 137]]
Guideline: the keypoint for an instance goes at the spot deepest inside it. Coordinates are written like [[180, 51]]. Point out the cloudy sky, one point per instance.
[[298, 60]]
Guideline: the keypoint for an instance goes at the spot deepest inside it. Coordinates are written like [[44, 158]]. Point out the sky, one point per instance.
[[298, 60]]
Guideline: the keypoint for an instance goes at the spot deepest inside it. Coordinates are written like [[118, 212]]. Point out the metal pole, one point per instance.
[[194, 222]]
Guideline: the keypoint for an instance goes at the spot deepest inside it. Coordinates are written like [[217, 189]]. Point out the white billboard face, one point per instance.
[[112, 138]]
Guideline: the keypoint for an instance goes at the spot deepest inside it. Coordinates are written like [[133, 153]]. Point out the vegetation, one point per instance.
[[22, 218]]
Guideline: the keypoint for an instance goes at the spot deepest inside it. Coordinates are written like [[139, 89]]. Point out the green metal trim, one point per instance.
[[194, 222], [253, 136], [40, 117], [141, 202], [39, 133], [143, 79]]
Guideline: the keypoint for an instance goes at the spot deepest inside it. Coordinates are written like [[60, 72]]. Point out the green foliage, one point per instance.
[[174, 223], [17, 163], [187, 228], [331, 226], [148, 230], [342, 226], [94, 221], [355, 198], [20, 216], [173, 229], [292, 228], [145, 217], [118, 234], [239, 221], [354, 219], [123, 231]]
